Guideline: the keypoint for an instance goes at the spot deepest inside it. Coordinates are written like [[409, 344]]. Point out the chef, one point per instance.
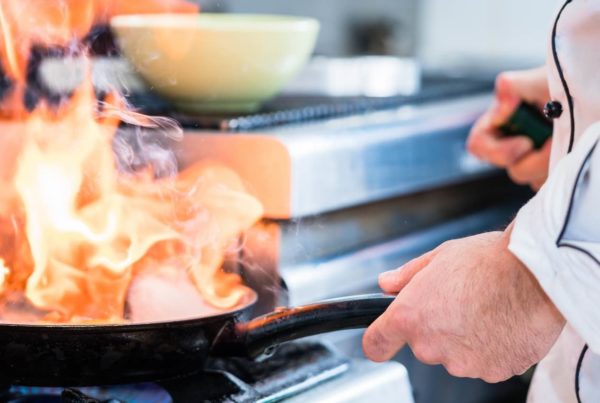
[[493, 305]]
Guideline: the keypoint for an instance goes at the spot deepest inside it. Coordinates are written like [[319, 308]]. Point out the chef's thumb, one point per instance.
[[508, 97], [383, 340], [513, 87], [392, 282]]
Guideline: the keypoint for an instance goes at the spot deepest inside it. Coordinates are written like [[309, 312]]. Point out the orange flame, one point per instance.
[[3, 273], [74, 233], [59, 23]]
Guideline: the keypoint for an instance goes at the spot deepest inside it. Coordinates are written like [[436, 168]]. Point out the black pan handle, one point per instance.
[[257, 337]]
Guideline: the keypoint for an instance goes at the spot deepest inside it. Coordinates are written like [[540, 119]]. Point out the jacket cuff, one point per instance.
[[551, 237], [569, 278]]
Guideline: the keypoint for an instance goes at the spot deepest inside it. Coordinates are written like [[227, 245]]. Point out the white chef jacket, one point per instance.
[[557, 234]]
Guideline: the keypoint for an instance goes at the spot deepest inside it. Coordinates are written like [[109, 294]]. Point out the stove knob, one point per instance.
[[553, 110]]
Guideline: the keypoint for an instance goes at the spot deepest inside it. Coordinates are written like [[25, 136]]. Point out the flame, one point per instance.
[[4, 272], [74, 232], [59, 23]]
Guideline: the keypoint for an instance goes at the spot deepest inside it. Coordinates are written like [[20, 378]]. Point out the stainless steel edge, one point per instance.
[[339, 232], [383, 155], [364, 382], [309, 169], [357, 272]]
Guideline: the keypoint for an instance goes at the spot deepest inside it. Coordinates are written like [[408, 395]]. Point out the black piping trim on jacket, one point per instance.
[[580, 249], [578, 372], [562, 76], [559, 241]]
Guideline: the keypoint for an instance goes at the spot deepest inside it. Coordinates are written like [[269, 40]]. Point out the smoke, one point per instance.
[[46, 53], [144, 142]]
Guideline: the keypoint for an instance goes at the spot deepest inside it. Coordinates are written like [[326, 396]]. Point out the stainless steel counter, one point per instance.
[[364, 382], [308, 169], [356, 272]]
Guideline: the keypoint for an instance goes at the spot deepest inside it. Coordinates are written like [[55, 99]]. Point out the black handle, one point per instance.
[[529, 121], [256, 337]]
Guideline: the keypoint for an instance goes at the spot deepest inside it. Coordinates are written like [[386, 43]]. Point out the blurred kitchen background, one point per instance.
[[486, 34]]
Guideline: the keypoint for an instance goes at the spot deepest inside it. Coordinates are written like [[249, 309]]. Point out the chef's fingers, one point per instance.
[[533, 168], [384, 338], [394, 281], [506, 102], [484, 126], [501, 152], [528, 85], [514, 87], [487, 143]]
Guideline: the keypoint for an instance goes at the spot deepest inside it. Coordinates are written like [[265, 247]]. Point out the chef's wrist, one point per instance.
[[535, 296], [507, 234]]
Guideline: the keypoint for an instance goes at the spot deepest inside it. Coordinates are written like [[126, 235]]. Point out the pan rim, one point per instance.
[[249, 301]]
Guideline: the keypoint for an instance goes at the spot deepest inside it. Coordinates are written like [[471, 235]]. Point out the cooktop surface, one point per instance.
[[290, 109], [294, 368]]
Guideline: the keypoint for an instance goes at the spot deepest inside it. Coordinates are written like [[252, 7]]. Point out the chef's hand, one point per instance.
[[469, 305], [524, 164]]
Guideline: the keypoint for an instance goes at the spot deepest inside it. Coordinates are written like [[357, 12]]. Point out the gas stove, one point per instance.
[[295, 372], [352, 186]]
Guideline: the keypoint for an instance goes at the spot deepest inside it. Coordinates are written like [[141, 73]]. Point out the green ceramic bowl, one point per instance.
[[216, 62]]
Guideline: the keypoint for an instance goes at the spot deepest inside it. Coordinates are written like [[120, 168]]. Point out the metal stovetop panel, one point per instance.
[[364, 382], [308, 169], [357, 272]]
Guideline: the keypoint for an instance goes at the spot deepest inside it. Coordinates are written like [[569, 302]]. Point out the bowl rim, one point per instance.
[[217, 21]]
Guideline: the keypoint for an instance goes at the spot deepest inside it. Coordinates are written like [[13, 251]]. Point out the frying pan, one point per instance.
[[83, 355]]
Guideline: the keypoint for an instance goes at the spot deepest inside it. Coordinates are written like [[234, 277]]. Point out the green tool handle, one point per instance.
[[529, 121]]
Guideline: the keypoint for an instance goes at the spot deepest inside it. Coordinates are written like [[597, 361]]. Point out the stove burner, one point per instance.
[[294, 368], [140, 393], [292, 109]]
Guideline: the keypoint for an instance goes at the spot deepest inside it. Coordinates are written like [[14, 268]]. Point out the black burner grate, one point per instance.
[[77, 396], [139, 393], [294, 368], [300, 109]]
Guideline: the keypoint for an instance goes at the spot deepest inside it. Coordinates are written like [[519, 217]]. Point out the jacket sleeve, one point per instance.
[[557, 236]]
